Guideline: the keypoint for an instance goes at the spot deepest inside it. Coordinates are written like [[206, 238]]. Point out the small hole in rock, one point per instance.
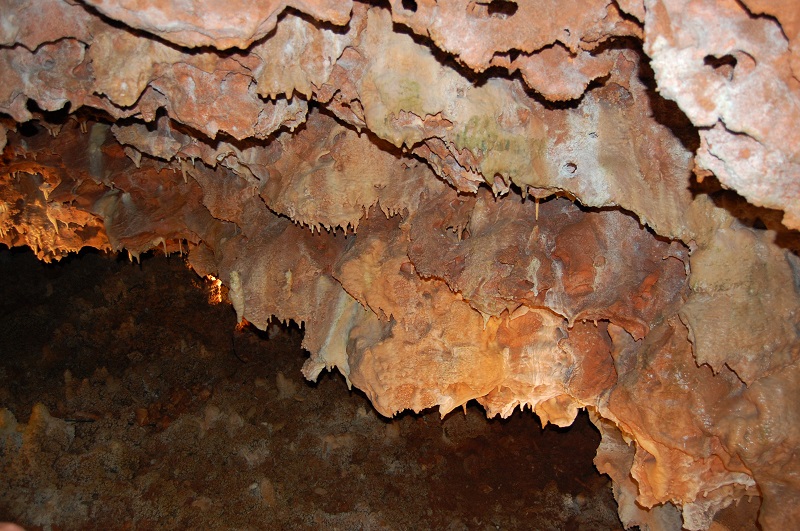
[[409, 5], [570, 167], [27, 129], [724, 65], [502, 8]]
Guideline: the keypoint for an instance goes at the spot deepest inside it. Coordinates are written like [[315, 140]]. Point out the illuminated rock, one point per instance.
[[458, 200]]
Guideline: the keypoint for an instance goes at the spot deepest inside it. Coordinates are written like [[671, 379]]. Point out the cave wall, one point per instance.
[[553, 205]]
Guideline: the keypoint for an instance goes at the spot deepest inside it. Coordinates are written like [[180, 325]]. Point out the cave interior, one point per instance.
[[400, 264]]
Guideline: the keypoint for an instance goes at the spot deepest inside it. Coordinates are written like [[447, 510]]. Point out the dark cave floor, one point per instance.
[[156, 413]]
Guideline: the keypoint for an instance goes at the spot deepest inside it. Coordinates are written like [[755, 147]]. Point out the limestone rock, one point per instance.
[[527, 204]]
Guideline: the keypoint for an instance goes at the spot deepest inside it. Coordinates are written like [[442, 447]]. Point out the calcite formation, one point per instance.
[[544, 204]]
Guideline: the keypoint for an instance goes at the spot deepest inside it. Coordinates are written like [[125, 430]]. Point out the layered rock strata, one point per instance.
[[529, 204]]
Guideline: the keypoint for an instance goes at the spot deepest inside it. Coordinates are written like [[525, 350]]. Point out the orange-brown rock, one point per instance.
[[528, 204]]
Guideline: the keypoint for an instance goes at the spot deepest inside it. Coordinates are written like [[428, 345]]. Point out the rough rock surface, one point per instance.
[[146, 407], [447, 230]]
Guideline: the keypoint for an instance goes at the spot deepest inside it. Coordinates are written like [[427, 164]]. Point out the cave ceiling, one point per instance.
[[551, 205]]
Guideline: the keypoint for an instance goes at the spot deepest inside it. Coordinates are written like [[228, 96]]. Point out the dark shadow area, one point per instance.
[[198, 136], [666, 112], [53, 122], [500, 8], [58, 117], [755, 217], [724, 65], [409, 5], [445, 59], [479, 79], [154, 420]]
